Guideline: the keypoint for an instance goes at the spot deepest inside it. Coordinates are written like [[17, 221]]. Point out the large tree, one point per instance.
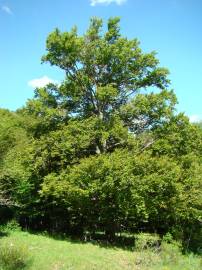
[[107, 150], [106, 76]]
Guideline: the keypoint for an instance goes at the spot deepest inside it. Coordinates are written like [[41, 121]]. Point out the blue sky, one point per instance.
[[171, 27]]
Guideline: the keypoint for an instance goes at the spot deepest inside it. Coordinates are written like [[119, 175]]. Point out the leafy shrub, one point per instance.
[[168, 238], [14, 257], [12, 225], [166, 259], [147, 241], [166, 256]]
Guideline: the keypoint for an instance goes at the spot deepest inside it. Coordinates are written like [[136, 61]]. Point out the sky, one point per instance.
[[173, 28]]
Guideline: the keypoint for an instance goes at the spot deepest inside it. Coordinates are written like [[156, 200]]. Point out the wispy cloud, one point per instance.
[[40, 82], [195, 118], [106, 2], [7, 10]]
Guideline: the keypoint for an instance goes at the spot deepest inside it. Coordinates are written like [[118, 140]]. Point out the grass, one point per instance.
[[47, 253]]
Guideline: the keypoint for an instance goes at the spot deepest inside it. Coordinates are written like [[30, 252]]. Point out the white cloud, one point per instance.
[[195, 118], [41, 82], [106, 2], [7, 10]]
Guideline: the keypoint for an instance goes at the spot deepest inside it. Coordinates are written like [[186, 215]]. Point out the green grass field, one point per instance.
[[46, 253]]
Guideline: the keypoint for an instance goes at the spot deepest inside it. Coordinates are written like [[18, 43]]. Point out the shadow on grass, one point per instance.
[[125, 242]]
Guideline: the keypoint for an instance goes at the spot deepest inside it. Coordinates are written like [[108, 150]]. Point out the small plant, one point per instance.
[[168, 238], [14, 257]]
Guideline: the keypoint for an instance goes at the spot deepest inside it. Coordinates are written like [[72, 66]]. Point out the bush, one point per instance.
[[14, 257], [168, 238], [145, 241], [165, 254], [11, 225]]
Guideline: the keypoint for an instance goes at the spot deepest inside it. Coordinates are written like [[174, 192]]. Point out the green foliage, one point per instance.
[[147, 241], [177, 138], [104, 150], [13, 141], [168, 238], [104, 72], [10, 226], [136, 190]]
